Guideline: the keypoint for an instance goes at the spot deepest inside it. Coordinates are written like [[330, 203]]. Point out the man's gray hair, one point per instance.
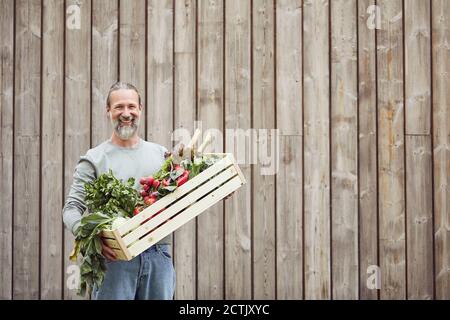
[[121, 85]]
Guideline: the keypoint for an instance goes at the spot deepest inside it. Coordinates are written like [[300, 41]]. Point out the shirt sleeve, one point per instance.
[[74, 205]]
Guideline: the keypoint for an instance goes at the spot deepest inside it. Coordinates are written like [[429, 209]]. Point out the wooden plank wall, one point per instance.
[[359, 93]]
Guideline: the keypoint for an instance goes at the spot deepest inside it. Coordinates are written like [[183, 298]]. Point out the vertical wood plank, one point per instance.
[[417, 67], [6, 146], [344, 150], [419, 190], [77, 111], [238, 266], [27, 149], [419, 219], [391, 151], [52, 149], [132, 50], [289, 66], [104, 65], [441, 143], [368, 210], [316, 150], [263, 47], [289, 213], [160, 71], [210, 113], [184, 117]]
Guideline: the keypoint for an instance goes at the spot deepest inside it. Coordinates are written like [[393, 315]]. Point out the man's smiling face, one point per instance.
[[124, 112]]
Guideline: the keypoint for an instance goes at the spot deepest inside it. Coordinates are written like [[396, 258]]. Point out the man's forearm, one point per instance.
[[74, 205]]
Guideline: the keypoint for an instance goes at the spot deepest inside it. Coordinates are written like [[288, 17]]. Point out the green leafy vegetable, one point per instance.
[[107, 198]]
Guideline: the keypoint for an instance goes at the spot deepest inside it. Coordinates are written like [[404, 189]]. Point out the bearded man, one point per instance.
[[151, 275]]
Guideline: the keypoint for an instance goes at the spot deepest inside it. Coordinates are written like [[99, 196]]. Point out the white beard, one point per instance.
[[125, 132]]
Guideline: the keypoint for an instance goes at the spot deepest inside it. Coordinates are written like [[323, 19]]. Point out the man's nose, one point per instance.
[[126, 113]]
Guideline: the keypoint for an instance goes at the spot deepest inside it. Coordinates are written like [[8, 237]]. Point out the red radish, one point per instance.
[[143, 181], [146, 187], [149, 201], [150, 180], [146, 198], [144, 193], [156, 184], [182, 180], [136, 211]]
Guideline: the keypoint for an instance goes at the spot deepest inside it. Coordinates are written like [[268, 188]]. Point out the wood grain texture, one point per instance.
[[344, 150], [160, 72], [132, 53], [289, 66], [77, 123], [27, 130], [52, 149], [419, 224], [441, 144], [289, 180], [316, 150], [391, 170], [417, 67], [367, 153], [210, 282], [263, 108], [104, 65], [185, 16], [237, 226], [6, 146]]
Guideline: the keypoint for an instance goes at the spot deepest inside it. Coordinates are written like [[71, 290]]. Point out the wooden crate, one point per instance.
[[189, 200]]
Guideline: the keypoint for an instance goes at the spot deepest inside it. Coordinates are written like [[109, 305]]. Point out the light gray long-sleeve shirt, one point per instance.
[[140, 161]]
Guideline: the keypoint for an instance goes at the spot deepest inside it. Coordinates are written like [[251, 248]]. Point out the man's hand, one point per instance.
[[108, 253]]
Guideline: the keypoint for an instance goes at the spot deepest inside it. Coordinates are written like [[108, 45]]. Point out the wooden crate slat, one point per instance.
[[167, 200], [178, 206], [186, 216]]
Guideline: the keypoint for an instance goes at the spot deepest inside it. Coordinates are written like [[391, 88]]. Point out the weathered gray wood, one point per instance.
[[289, 219], [27, 110], [344, 150], [289, 211], [368, 221], [441, 144], [316, 150], [263, 82], [132, 50], [160, 72], [391, 151], [417, 67], [419, 222], [289, 66], [184, 117], [76, 116], [6, 146], [210, 106], [104, 65], [52, 149], [238, 243]]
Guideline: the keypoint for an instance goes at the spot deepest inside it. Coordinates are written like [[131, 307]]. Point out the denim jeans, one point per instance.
[[150, 276]]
